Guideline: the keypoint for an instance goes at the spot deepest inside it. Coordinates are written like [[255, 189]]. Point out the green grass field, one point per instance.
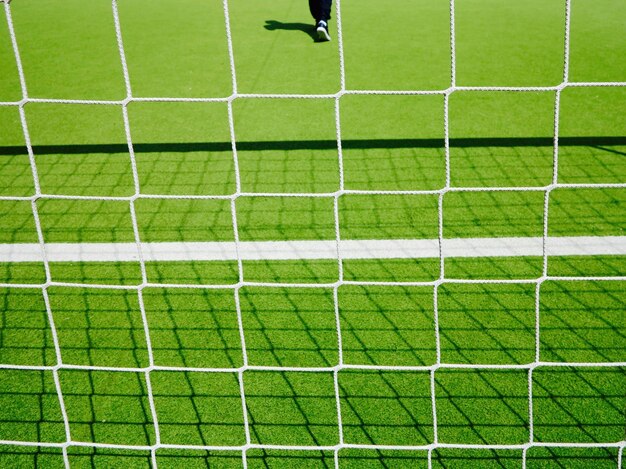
[[392, 328]]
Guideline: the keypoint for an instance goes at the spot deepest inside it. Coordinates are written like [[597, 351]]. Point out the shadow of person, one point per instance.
[[309, 29]]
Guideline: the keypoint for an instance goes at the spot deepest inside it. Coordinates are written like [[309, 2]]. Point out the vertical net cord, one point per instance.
[[233, 208], [546, 230], [40, 237], [133, 215], [440, 232], [342, 80]]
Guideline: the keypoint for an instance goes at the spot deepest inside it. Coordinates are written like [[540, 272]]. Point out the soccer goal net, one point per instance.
[[353, 254]]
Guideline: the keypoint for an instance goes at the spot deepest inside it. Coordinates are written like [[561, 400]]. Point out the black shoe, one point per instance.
[[322, 31]]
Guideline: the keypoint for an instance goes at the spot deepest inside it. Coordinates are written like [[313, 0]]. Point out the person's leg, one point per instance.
[[320, 9], [316, 9], [326, 6]]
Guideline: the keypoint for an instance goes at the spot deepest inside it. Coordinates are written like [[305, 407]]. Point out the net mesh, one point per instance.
[[438, 379]]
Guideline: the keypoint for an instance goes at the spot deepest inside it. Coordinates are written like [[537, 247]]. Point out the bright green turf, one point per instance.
[[69, 50]]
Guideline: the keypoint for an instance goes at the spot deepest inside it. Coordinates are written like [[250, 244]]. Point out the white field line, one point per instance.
[[290, 250]]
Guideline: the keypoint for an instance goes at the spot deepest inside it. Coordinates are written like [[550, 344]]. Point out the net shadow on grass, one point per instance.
[[30, 407], [193, 328], [98, 327], [178, 458], [291, 408], [598, 458], [35, 456], [201, 409], [93, 400], [478, 406], [25, 333], [268, 458], [386, 408], [582, 321], [478, 458], [375, 458], [387, 325], [599, 142], [80, 456], [289, 327], [487, 323], [579, 404]]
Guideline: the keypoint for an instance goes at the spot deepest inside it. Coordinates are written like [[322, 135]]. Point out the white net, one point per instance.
[[338, 250]]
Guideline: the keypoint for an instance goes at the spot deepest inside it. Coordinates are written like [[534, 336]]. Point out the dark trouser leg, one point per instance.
[[320, 9]]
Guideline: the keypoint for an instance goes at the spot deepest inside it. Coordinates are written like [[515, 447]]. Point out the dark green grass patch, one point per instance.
[[579, 404], [22, 272], [30, 407], [199, 408], [478, 406], [193, 272], [31, 456], [491, 268], [285, 218], [193, 327], [291, 271], [65, 163], [387, 325], [515, 130], [388, 216], [493, 214], [587, 266], [198, 459], [102, 273], [15, 170], [25, 330], [99, 327], [289, 326], [85, 221], [85, 457], [107, 407], [587, 212], [454, 458], [371, 458], [391, 270], [575, 458], [401, 149], [485, 323], [386, 407], [291, 408], [271, 458], [289, 145], [182, 148], [583, 321]]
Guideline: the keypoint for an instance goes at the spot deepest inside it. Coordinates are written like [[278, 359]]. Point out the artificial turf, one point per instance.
[[286, 146]]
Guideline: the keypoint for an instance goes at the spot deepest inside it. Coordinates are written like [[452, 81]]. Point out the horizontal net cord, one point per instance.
[[328, 195], [235, 286], [432, 446], [329, 369], [339, 94]]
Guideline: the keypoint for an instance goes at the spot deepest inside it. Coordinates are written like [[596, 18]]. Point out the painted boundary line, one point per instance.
[[312, 250]]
